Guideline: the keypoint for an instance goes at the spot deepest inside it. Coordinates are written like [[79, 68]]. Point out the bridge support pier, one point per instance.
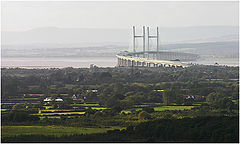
[[128, 63], [137, 63], [143, 64], [132, 63], [125, 63]]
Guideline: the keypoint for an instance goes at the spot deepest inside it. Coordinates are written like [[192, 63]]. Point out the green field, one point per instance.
[[86, 104], [65, 113], [69, 85], [54, 110], [51, 117], [22, 99], [4, 109], [8, 103], [48, 107], [9, 131], [126, 111], [163, 108], [98, 108], [139, 106]]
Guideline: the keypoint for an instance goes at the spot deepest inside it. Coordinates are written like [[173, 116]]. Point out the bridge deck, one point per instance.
[[163, 62]]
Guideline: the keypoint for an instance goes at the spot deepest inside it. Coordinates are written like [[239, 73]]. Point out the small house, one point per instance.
[[58, 100], [47, 99], [94, 90]]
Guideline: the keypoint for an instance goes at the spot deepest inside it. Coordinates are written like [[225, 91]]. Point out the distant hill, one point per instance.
[[218, 41], [71, 37], [217, 49]]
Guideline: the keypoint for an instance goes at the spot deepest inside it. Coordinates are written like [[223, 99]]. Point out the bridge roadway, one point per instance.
[[129, 61]]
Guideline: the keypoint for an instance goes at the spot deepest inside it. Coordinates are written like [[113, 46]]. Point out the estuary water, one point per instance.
[[83, 62]]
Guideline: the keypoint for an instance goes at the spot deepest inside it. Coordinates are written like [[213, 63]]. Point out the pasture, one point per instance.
[[163, 108], [10, 131], [59, 113]]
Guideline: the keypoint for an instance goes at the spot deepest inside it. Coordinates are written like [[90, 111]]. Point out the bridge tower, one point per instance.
[[138, 36], [153, 36]]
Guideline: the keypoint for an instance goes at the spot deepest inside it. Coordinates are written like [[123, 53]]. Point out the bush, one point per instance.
[[19, 116], [143, 115], [148, 109]]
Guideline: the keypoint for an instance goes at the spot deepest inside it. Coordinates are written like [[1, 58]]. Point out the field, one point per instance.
[[98, 108], [163, 108], [9, 131], [86, 104], [159, 108], [4, 109], [58, 113]]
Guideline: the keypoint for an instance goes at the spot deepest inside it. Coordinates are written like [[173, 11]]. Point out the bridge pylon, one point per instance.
[[138, 36], [153, 37]]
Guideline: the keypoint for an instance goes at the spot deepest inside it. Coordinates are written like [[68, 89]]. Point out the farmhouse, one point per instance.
[[47, 99], [59, 100], [92, 90], [77, 98], [196, 97], [160, 90]]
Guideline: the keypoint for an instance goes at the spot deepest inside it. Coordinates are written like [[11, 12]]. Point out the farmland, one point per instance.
[[163, 108], [114, 103], [9, 131]]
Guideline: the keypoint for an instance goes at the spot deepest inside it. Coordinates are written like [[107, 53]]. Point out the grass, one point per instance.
[[9, 131], [4, 109], [43, 117], [85, 104], [234, 101], [153, 103], [54, 110], [55, 117], [98, 108], [8, 103], [126, 111], [144, 105], [19, 75], [197, 104], [136, 109], [163, 108], [48, 107], [22, 99], [65, 113], [69, 85]]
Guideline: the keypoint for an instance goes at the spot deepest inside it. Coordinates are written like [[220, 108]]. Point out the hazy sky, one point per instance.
[[19, 16]]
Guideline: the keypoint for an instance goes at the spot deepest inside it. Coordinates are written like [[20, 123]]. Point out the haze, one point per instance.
[[50, 33], [21, 16]]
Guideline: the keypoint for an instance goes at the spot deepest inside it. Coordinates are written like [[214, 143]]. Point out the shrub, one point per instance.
[[143, 115]]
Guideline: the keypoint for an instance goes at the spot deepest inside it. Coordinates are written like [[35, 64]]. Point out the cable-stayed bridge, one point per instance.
[[153, 58]]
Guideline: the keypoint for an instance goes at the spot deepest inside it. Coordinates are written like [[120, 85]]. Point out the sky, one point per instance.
[[21, 16]]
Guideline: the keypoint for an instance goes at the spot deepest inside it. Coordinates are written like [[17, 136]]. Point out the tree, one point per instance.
[[214, 96], [144, 115], [179, 99], [169, 96], [224, 103], [19, 116], [17, 106], [148, 109]]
